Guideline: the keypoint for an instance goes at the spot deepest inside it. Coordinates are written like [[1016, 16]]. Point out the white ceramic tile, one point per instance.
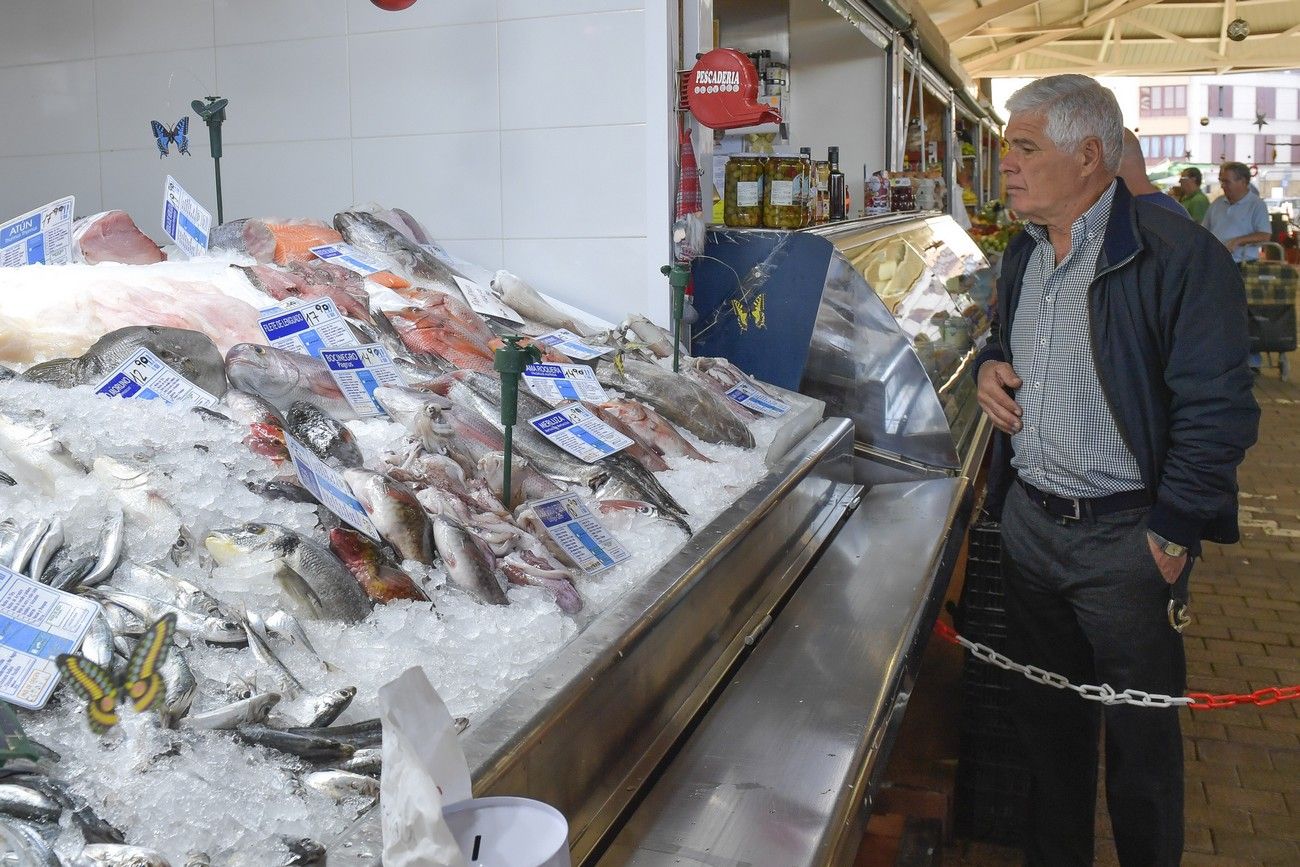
[[138, 26], [239, 21], [366, 17], [287, 179], [133, 181], [48, 108], [450, 183], [416, 82], [544, 8], [583, 182], [137, 88], [599, 77], [486, 254], [285, 91], [29, 182], [47, 31], [603, 276]]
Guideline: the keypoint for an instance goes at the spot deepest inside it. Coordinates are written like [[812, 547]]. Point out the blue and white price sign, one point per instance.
[[144, 376], [751, 398], [308, 328], [571, 345], [184, 220], [348, 257], [42, 236], [37, 623], [558, 383], [361, 370], [574, 429], [580, 533], [327, 486]]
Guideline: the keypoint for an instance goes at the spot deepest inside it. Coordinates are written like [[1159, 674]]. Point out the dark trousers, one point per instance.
[[1085, 599]]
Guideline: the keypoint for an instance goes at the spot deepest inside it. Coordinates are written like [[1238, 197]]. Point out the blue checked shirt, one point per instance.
[[1068, 443]]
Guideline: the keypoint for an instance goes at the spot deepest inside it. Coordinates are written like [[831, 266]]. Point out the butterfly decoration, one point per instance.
[[179, 134], [140, 682], [755, 310]]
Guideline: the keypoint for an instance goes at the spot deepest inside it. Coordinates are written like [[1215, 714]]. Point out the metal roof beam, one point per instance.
[[979, 64], [963, 25], [1136, 69], [1174, 37]]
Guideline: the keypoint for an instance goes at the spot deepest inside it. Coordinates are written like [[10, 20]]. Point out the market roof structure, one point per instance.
[[1019, 38]]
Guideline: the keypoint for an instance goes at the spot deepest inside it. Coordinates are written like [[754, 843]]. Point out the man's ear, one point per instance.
[[1090, 156]]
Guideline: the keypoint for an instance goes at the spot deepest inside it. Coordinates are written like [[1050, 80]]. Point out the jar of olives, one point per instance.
[[742, 201], [783, 196]]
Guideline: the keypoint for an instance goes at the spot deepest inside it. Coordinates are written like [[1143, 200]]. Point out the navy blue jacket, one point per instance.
[[1168, 321]]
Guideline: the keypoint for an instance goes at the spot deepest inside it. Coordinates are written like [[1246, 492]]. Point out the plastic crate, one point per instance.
[[992, 784]]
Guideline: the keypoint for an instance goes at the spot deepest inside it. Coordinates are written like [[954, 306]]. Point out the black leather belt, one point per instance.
[[1080, 508]]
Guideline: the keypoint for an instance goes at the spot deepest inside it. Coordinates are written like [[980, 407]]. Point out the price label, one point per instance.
[[348, 257], [751, 398], [37, 623], [42, 236], [558, 383], [483, 301], [184, 220], [144, 376], [328, 486], [361, 370], [571, 345], [308, 328], [582, 536], [574, 429]]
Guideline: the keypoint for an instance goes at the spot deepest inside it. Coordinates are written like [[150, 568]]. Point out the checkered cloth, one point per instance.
[[689, 200], [1269, 282], [1068, 443]]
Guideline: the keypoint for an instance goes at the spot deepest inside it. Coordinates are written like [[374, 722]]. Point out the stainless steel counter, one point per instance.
[[778, 771]]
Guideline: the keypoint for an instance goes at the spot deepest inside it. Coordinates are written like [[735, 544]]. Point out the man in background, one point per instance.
[[1133, 172], [1238, 218], [1193, 198]]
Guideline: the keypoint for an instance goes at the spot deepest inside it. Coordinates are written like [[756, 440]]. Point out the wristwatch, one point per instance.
[[1171, 549]]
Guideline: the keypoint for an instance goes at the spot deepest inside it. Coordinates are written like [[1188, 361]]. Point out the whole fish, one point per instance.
[[328, 707], [286, 625], [381, 580], [469, 561], [360, 735], [322, 434], [246, 711], [182, 593], [44, 552], [341, 785], [652, 427], [395, 512], [28, 540], [110, 551], [93, 828], [368, 761], [427, 333], [308, 574], [313, 748], [115, 855], [190, 353], [367, 232], [525, 301], [260, 644], [212, 629], [283, 378], [97, 646], [34, 850], [21, 802], [685, 403]]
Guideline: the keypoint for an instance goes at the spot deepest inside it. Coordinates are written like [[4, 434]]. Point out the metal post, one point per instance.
[[678, 277], [510, 361], [213, 112]]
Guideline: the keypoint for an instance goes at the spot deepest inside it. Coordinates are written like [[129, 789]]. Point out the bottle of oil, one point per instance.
[[836, 188]]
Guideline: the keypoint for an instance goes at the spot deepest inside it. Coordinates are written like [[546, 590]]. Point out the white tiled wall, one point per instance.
[[534, 135]]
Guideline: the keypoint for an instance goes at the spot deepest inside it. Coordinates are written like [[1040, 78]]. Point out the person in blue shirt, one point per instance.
[[1133, 172], [1239, 217]]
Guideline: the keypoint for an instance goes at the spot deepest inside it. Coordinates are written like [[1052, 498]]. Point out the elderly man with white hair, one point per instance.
[[1117, 381]]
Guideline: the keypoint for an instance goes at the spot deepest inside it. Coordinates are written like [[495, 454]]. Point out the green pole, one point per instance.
[[510, 361], [213, 113], [678, 277]]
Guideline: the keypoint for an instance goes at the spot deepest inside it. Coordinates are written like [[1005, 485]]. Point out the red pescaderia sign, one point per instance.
[[722, 91]]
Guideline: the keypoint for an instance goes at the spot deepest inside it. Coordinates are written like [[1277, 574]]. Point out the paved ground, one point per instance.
[[1243, 763]]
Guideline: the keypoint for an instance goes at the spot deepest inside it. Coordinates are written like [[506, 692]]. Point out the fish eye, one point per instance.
[[259, 350], [180, 544]]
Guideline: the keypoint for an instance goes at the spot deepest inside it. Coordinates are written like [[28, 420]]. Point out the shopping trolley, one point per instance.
[[1270, 305]]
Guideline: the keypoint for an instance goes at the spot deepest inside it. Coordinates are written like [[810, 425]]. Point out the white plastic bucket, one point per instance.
[[509, 832]]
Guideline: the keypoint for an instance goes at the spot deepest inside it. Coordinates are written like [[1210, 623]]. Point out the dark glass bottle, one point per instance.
[[836, 188]]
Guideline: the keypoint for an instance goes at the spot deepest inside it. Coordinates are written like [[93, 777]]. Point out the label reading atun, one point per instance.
[[783, 192], [329, 487], [483, 301], [574, 429], [37, 623], [557, 383], [571, 344], [748, 193], [580, 533], [348, 257], [42, 236], [307, 328], [751, 398], [361, 370], [184, 220], [144, 376]]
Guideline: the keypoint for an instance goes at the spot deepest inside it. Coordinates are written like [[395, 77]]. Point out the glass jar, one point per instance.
[[783, 200], [742, 204]]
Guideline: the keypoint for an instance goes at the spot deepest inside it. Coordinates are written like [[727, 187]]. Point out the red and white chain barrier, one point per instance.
[[1106, 694]]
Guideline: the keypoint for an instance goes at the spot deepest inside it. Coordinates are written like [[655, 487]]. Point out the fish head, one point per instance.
[[259, 706], [220, 630], [261, 370], [252, 542], [365, 230]]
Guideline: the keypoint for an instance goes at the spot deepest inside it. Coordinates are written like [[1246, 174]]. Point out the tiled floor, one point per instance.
[[1243, 763]]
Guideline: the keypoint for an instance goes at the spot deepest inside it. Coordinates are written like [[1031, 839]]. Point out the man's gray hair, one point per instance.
[[1241, 170], [1076, 107]]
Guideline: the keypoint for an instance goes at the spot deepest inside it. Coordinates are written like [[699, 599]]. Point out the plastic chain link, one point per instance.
[[1106, 694]]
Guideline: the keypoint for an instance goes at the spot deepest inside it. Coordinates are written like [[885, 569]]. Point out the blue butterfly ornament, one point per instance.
[[179, 134]]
